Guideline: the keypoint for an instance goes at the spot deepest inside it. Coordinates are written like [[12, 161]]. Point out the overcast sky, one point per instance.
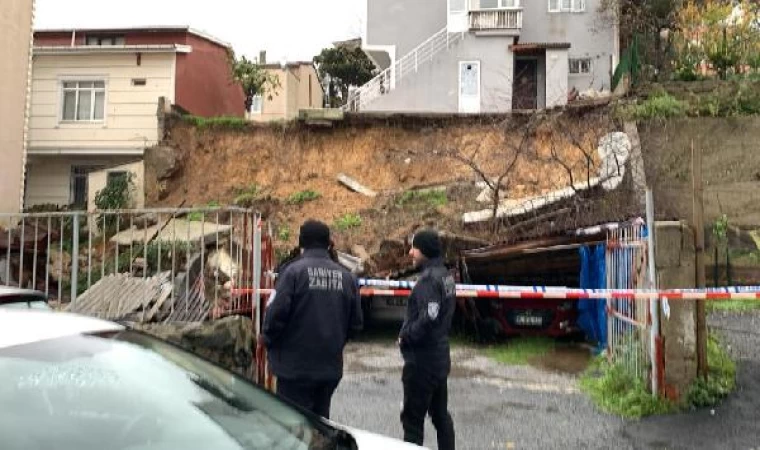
[[292, 29]]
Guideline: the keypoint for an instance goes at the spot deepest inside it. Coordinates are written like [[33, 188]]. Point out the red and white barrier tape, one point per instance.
[[566, 294]]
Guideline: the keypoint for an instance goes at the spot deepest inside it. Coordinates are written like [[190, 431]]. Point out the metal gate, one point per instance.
[[629, 320], [141, 265]]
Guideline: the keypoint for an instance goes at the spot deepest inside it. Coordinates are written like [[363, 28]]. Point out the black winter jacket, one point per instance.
[[315, 310], [429, 313]]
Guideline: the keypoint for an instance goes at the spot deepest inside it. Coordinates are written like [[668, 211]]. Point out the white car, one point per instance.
[[75, 383], [16, 298]]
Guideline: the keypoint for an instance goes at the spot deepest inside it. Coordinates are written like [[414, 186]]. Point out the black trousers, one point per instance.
[[424, 394], [314, 396]]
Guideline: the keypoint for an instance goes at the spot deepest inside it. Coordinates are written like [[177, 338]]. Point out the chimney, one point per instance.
[[263, 57]]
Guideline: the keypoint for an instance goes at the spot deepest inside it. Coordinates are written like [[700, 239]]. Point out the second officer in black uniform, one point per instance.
[[424, 342]]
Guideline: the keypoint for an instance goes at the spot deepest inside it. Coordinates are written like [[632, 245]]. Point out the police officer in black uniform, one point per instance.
[[424, 342], [316, 309]]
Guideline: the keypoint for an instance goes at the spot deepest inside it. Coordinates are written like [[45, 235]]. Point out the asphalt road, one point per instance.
[[506, 407]]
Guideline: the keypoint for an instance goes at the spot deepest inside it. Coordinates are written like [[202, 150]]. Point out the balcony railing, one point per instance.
[[496, 20]]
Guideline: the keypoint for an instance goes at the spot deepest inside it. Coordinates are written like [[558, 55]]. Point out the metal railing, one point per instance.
[[142, 265], [388, 79], [629, 320], [496, 19]]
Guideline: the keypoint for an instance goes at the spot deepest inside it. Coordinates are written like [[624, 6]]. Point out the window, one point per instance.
[[567, 5], [84, 101], [580, 66], [457, 6], [257, 104], [118, 176], [104, 40], [78, 196], [497, 4]]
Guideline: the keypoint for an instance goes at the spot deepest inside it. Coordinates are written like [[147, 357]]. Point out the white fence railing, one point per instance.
[[388, 79], [629, 321], [143, 265], [499, 19]]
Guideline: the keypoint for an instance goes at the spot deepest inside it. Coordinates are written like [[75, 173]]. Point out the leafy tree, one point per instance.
[[646, 19], [719, 32], [254, 79], [341, 68]]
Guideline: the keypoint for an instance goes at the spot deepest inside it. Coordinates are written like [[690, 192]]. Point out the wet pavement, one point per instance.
[[541, 407]]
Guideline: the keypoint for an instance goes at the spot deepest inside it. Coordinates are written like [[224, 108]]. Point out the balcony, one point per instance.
[[506, 21]]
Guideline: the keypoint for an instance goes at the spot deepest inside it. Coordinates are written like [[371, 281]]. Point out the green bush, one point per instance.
[[721, 379], [661, 106], [303, 196], [348, 221]]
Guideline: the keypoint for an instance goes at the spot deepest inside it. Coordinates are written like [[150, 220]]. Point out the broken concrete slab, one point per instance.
[[176, 230], [352, 263], [355, 185], [512, 208], [614, 151]]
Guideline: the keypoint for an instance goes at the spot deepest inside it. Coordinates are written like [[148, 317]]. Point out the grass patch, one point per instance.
[[348, 221], [733, 306], [247, 196], [617, 391], [283, 233], [431, 197], [200, 216], [518, 352], [721, 379], [226, 123], [302, 197]]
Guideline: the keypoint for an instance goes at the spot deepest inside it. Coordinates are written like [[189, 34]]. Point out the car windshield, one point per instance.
[[127, 390], [23, 302]]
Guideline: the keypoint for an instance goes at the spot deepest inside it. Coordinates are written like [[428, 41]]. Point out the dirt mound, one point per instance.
[[279, 166]]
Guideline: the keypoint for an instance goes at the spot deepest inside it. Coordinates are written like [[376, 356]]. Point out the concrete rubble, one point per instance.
[[355, 185]]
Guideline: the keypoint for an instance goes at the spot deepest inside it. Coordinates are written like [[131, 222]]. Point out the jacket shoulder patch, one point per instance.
[[433, 309]]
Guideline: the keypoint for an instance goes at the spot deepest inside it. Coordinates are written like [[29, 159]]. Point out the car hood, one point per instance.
[[371, 441]]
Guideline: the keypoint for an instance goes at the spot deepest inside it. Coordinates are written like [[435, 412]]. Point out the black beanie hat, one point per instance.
[[314, 234], [428, 243]]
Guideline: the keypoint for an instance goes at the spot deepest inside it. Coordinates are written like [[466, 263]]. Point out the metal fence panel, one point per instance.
[[628, 320], [149, 264]]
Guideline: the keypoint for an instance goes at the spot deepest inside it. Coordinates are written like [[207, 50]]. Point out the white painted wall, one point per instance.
[[556, 78], [49, 177], [130, 122], [99, 179]]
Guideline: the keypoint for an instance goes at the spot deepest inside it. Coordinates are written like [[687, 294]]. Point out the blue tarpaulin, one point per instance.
[[592, 314]]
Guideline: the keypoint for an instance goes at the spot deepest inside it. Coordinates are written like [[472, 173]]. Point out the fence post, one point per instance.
[[257, 273], [75, 258], [654, 304]]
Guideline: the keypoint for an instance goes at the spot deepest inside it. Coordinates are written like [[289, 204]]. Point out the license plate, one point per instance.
[[395, 302], [528, 320]]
